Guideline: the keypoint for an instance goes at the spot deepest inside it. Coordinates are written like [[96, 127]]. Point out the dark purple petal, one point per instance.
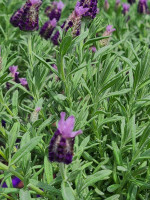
[[48, 28]]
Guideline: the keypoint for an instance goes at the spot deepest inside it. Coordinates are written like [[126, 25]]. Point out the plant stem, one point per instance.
[[30, 50], [62, 169]]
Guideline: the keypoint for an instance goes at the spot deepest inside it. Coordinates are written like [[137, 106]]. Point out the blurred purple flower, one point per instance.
[[26, 18], [142, 7], [106, 5], [55, 67], [62, 143], [93, 49], [48, 28], [126, 8], [54, 11]]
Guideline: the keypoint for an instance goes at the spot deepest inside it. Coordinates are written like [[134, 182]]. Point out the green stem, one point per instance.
[[30, 50], [62, 169], [62, 70], [16, 174]]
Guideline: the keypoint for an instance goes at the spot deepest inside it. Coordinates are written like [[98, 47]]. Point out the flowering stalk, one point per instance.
[[126, 8], [106, 5], [108, 32], [142, 7], [30, 50], [62, 143]]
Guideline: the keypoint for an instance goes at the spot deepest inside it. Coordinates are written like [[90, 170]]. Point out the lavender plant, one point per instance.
[[95, 80]]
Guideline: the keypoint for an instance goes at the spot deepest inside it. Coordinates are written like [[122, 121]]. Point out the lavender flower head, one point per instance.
[[92, 5], [55, 67], [74, 20], [131, 1], [126, 8], [106, 5], [108, 32], [54, 11], [48, 28], [110, 29], [26, 18], [142, 6], [13, 70], [23, 81], [117, 2], [93, 48], [62, 143]]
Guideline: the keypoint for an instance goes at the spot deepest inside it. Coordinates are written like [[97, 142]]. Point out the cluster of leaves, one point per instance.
[[107, 92]]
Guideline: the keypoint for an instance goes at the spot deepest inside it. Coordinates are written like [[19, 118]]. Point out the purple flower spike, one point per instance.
[[142, 7], [106, 5], [13, 70], [29, 20], [55, 38], [62, 143], [131, 1], [16, 17], [26, 18], [126, 8], [23, 81], [48, 28], [110, 29], [92, 5], [54, 11]]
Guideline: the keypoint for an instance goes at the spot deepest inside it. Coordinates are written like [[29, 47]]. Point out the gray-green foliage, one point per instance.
[[107, 92]]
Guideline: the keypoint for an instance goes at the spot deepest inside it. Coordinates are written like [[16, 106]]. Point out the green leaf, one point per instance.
[[48, 170], [113, 187], [15, 103], [98, 176], [24, 195], [13, 136], [65, 44], [67, 192], [114, 197], [25, 149]]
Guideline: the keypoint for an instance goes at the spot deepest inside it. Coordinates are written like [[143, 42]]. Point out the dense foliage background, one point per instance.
[[107, 92]]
